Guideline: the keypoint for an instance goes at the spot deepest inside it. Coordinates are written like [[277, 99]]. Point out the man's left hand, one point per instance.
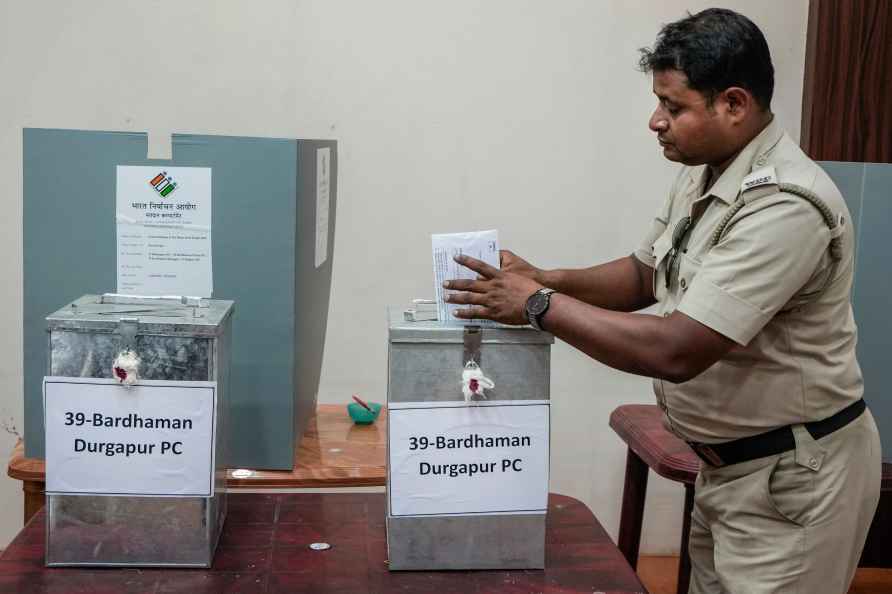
[[495, 295]]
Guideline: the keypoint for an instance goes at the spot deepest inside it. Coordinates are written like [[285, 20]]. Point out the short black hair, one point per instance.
[[716, 49]]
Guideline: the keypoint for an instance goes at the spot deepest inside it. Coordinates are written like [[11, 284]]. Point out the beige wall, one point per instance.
[[529, 117]]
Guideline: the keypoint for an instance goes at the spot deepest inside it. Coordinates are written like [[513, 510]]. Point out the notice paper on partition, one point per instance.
[[448, 458], [323, 199], [155, 438], [163, 219]]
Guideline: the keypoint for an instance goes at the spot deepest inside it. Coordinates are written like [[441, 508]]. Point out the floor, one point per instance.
[[659, 575]]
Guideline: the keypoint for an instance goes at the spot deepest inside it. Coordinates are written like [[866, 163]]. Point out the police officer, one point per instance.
[[752, 355]]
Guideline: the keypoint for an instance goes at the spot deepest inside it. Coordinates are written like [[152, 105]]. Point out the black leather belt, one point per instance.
[[773, 442]]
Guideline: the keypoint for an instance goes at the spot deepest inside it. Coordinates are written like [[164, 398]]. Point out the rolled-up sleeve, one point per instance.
[[767, 254], [645, 251]]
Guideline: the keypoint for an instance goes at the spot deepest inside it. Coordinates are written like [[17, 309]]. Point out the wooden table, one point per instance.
[[264, 549], [334, 452]]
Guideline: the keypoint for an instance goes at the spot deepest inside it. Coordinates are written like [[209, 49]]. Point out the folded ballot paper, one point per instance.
[[483, 245]]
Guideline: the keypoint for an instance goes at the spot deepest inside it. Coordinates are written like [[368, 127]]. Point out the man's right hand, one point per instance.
[[511, 262]]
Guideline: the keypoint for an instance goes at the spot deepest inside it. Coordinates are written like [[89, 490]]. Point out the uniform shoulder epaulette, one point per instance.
[[759, 183], [764, 182]]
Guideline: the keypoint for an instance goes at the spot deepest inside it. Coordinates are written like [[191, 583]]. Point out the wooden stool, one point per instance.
[[652, 446]]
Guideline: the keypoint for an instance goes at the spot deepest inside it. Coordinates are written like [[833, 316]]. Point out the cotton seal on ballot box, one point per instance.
[[467, 472]]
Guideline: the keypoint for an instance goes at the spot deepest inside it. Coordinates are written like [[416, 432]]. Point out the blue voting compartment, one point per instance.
[[865, 187], [263, 247]]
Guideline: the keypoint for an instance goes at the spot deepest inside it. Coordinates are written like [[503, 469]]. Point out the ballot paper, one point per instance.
[[483, 245]]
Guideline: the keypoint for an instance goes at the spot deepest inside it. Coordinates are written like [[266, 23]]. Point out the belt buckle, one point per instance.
[[706, 453]]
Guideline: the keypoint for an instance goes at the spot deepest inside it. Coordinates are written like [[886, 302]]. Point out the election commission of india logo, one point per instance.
[[163, 184]]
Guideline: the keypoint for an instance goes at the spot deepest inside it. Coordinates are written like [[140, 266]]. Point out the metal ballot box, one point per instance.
[[180, 339], [459, 397]]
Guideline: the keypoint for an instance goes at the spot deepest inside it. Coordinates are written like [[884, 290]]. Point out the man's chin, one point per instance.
[[671, 154]]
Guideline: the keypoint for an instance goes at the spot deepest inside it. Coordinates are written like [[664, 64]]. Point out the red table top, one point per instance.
[[264, 549]]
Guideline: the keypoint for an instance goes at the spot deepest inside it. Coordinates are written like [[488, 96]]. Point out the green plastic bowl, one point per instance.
[[360, 415]]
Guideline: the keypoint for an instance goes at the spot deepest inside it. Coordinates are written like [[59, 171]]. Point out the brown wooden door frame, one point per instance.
[[847, 92]]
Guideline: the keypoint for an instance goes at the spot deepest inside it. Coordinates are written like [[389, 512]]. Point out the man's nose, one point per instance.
[[658, 122]]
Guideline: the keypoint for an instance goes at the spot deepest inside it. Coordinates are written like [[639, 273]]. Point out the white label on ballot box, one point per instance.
[[449, 458], [155, 438]]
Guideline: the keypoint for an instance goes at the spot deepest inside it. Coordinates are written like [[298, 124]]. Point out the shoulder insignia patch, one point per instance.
[[761, 182]]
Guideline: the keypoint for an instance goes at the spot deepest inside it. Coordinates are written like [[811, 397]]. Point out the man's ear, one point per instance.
[[739, 102]]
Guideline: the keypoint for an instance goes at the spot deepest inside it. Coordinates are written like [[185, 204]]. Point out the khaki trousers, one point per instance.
[[794, 523]]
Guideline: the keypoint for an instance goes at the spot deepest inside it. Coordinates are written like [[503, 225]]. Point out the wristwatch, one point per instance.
[[537, 305]]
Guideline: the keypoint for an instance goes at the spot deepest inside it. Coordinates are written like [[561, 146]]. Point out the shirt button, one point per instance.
[[684, 284], [666, 314], [813, 463]]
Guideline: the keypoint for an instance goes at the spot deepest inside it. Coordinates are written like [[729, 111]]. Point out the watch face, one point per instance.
[[537, 303]]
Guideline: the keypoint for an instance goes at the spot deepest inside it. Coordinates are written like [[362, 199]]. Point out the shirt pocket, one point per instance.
[[688, 268], [662, 246]]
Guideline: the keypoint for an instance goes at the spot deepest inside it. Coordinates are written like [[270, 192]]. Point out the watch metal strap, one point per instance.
[[533, 318]]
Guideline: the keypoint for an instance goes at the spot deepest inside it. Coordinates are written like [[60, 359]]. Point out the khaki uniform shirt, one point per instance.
[[793, 362]]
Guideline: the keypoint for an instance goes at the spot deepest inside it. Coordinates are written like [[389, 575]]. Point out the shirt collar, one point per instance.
[[752, 157]]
